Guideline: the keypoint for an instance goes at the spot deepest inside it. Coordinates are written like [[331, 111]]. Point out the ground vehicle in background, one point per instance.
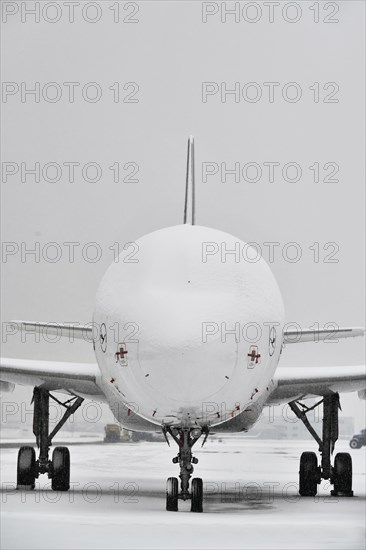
[[112, 433], [358, 440]]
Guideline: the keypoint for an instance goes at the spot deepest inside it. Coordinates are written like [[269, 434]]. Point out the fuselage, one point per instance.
[[190, 331]]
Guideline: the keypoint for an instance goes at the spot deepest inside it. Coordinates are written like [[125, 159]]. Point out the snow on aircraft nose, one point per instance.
[[170, 291], [178, 360]]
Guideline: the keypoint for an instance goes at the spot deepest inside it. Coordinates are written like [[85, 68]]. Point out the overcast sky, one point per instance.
[[161, 62]]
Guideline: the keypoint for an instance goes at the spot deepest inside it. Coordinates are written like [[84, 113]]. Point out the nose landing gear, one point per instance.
[[310, 474], [185, 439]]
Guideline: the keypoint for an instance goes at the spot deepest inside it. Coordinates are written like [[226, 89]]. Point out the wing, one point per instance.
[[298, 383], [73, 331], [316, 335], [74, 378]]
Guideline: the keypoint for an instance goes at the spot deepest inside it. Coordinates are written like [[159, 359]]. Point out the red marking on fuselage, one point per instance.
[[253, 355], [121, 352]]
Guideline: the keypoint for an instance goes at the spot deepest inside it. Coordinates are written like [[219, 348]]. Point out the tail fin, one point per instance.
[[189, 205]]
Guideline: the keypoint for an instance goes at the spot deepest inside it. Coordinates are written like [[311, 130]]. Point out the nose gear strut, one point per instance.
[[185, 439]]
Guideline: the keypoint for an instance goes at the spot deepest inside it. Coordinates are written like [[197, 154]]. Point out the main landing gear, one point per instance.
[[57, 469], [185, 439], [311, 474]]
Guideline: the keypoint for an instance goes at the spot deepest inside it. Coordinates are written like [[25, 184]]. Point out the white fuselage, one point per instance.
[[190, 334]]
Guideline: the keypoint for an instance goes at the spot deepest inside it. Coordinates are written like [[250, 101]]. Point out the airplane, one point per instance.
[[168, 358]]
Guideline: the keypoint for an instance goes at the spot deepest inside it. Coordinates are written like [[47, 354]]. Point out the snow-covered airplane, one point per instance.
[[187, 343]]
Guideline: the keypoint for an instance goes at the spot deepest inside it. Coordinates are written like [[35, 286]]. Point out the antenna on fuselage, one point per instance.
[[189, 205]]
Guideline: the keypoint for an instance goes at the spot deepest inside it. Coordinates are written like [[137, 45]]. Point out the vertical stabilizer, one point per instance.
[[189, 205]]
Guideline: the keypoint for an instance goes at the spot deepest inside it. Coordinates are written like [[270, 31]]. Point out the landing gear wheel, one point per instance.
[[26, 468], [355, 444], [172, 494], [308, 475], [61, 469], [342, 475], [197, 494]]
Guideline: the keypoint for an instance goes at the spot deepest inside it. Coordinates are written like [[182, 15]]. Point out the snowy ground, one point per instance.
[[118, 501]]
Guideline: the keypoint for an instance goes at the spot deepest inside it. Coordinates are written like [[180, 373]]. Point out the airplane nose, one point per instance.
[[169, 292], [191, 372]]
